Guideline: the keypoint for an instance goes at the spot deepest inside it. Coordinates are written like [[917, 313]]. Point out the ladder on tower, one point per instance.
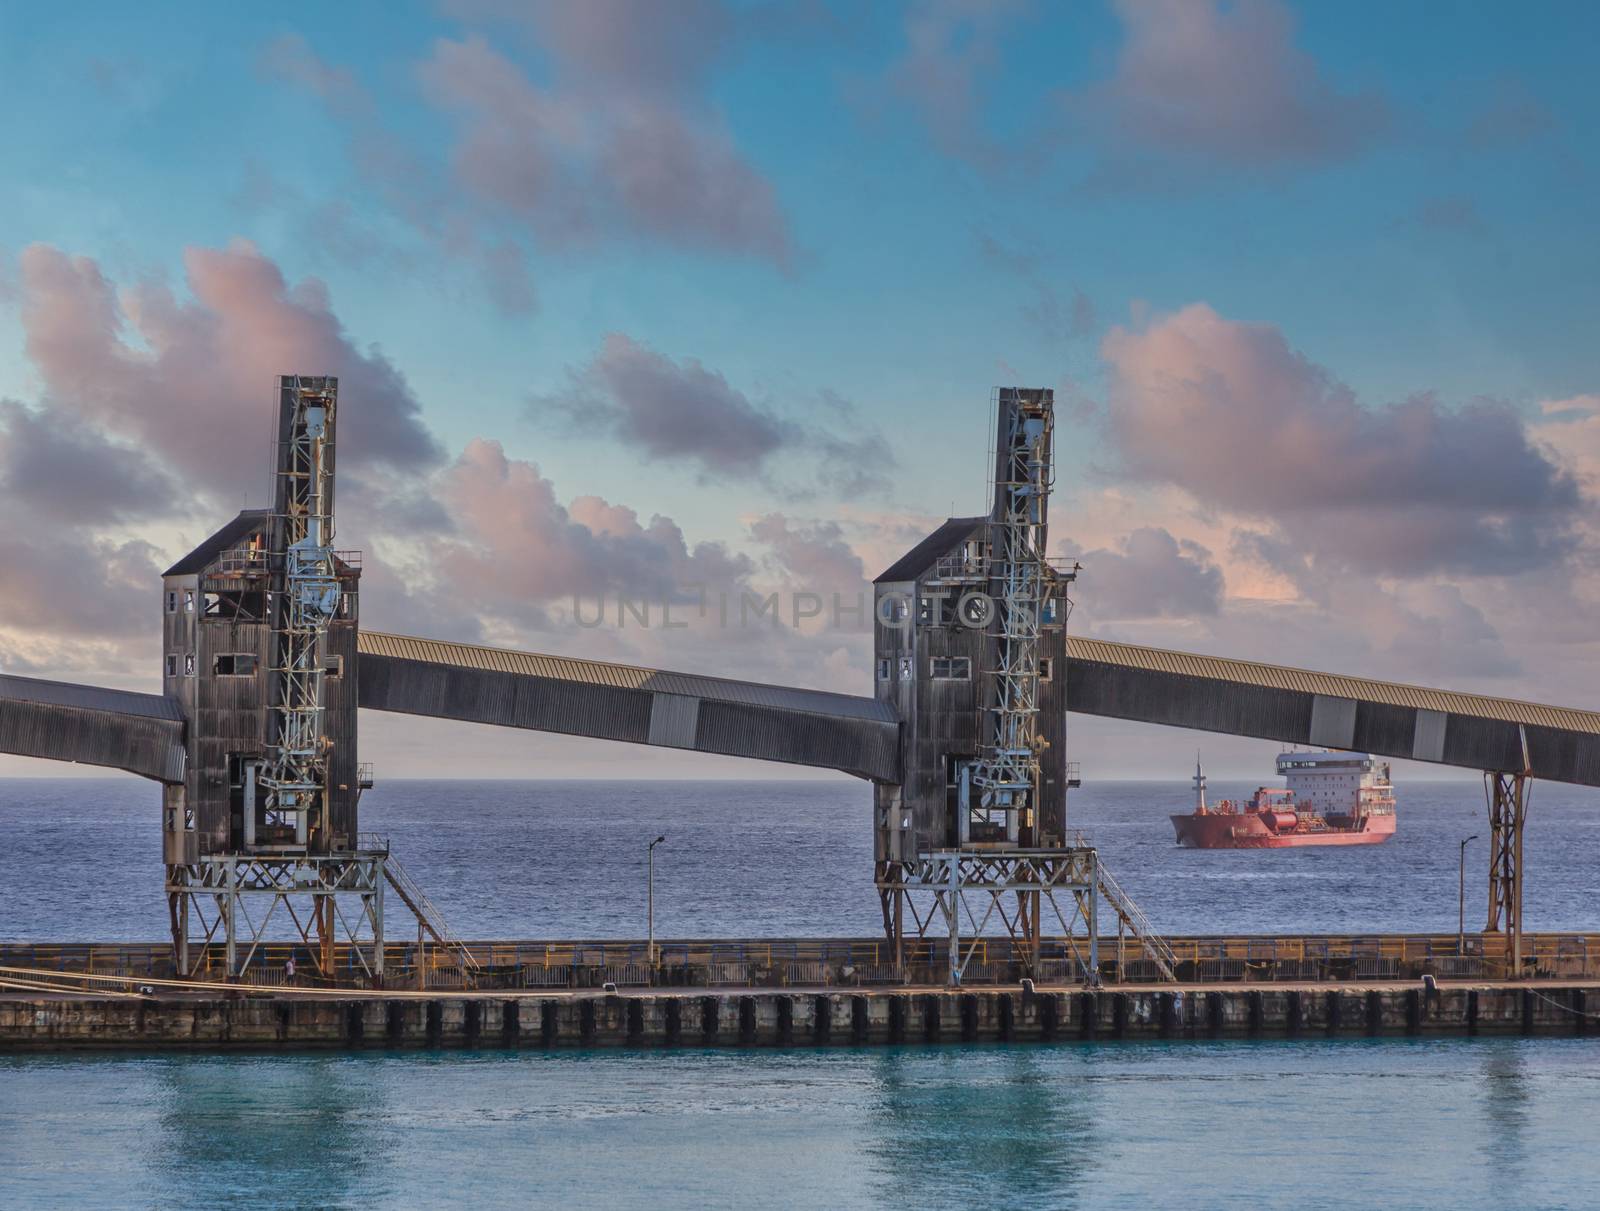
[[1132, 918], [428, 916]]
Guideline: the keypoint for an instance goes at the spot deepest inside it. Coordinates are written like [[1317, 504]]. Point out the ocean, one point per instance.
[[1393, 1122]]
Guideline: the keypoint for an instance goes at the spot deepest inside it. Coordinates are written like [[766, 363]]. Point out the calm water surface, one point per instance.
[[1401, 1123], [1456, 1124]]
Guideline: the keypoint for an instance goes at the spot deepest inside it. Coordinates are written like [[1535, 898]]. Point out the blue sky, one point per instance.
[[936, 198]]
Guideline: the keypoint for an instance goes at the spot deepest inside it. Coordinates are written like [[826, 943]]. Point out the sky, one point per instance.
[[676, 303]]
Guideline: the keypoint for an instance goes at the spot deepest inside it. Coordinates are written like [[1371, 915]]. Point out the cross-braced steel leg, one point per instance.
[[1508, 807]]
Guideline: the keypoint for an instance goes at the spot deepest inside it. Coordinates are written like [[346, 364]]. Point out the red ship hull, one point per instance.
[[1251, 830]]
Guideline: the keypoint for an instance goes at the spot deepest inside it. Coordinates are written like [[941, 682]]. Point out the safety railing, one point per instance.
[[241, 561], [848, 960]]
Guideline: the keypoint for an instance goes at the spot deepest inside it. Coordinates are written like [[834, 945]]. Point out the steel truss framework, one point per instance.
[[1006, 771], [327, 899], [1508, 796], [307, 599], [1028, 894]]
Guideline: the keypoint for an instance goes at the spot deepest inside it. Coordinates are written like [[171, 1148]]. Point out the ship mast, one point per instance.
[[1199, 787]]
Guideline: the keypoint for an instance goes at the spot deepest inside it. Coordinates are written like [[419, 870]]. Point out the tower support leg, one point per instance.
[[1508, 805]]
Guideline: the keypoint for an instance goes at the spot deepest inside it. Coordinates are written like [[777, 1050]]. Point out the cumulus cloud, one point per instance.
[[687, 412], [1242, 422], [815, 557], [1202, 81], [670, 410], [1197, 87], [1150, 574], [619, 146], [63, 470], [1571, 428], [196, 380], [520, 548]]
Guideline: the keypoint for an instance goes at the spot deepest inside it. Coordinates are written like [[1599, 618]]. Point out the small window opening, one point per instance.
[[951, 668], [188, 601], [1047, 668], [188, 664], [883, 669], [907, 668], [172, 666], [235, 664], [333, 666], [172, 603]]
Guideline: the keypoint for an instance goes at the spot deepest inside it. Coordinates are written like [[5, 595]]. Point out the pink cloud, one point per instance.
[[521, 549], [1150, 574], [637, 158], [1233, 415], [1203, 80], [198, 374]]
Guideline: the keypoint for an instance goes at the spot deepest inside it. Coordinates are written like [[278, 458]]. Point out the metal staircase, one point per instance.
[[428, 916], [1131, 917]]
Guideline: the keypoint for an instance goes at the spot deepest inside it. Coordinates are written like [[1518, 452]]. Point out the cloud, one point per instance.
[[606, 152], [63, 583], [813, 557], [521, 549], [291, 58], [669, 410], [687, 412], [1452, 213], [951, 47], [637, 45], [1150, 574], [196, 379], [64, 471], [1571, 428], [1204, 83], [1510, 117], [1056, 316], [1234, 416]]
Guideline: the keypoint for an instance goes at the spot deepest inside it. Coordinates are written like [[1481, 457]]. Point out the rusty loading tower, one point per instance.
[[971, 648], [260, 632]]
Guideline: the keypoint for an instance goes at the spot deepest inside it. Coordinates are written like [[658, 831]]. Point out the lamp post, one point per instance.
[[1461, 884], [650, 895]]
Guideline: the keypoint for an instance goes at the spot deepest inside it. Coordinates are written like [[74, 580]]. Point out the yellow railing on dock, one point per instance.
[[826, 961]]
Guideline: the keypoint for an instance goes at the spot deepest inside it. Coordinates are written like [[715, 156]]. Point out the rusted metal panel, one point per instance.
[[140, 733]]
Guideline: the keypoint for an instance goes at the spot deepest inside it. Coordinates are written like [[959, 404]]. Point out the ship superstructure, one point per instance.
[[1330, 798]]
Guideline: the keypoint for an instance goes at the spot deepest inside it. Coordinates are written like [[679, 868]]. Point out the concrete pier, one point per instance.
[[255, 1019]]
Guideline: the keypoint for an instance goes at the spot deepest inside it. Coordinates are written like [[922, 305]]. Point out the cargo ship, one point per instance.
[[1331, 799]]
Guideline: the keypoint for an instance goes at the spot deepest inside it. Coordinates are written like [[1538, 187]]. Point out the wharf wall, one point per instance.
[[253, 1020]]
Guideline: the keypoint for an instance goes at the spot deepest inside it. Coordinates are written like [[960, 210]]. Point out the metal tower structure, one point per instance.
[[307, 599], [265, 637], [1005, 775], [989, 849], [1508, 794]]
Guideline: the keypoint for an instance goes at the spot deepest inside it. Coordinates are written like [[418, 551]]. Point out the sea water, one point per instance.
[[1396, 1122]]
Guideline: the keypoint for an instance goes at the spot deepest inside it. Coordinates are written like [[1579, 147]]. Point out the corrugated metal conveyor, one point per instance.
[[623, 702], [140, 733], [1296, 706]]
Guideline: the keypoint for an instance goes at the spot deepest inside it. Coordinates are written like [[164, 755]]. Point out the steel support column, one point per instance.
[[1508, 806]]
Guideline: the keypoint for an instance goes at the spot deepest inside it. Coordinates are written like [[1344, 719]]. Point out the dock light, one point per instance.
[[1461, 894], [650, 897]]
